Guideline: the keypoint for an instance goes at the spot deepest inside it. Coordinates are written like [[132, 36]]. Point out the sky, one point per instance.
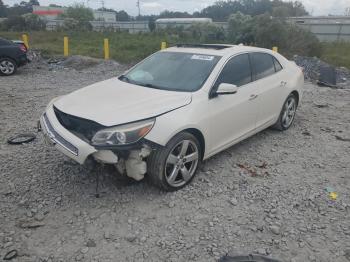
[[314, 7]]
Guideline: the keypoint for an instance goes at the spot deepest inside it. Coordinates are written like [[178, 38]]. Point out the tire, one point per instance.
[[166, 167], [7, 66], [287, 114], [21, 139]]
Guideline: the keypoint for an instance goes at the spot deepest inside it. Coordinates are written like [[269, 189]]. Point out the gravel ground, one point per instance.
[[265, 195]]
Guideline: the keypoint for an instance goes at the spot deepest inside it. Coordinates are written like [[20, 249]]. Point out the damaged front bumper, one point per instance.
[[127, 159]]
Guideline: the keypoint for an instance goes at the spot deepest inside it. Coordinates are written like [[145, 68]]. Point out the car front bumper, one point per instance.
[[63, 140]]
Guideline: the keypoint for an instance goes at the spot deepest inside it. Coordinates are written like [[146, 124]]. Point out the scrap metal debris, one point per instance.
[[10, 255], [316, 70], [21, 139], [249, 258], [29, 224], [344, 139], [328, 76]]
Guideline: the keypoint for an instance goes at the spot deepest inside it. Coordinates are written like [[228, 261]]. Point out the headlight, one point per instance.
[[124, 134]]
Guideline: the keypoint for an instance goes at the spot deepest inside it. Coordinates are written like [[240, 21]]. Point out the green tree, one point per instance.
[[269, 32], [221, 10], [122, 16], [240, 28], [78, 17], [33, 22], [14, 23], [207, 32], [3, 10], [152, 24], [281, 11], [80, 13]]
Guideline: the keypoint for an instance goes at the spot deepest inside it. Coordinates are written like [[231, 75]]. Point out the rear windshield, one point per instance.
[[173, 71]]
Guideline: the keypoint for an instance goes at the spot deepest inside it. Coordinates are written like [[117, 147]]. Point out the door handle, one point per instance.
[[253, 97]]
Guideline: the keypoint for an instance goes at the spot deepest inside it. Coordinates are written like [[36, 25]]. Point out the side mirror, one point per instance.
[[226, 89]]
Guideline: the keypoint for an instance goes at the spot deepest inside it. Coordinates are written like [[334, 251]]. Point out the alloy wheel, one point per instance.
[[289, 112], [7, 67], [181, 163]]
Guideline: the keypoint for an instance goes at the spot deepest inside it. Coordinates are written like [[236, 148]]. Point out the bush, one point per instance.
[[26, 22], [14, 23], [152, 24], [33, 22], [265, 31], [269, 32], [77, 18], [240, 29], [301, 42], [206, 32]]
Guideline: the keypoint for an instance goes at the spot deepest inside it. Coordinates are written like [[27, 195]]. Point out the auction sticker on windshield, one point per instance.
[[202, 57]]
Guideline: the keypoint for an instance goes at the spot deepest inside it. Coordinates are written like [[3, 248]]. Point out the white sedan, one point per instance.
[[174, 109]]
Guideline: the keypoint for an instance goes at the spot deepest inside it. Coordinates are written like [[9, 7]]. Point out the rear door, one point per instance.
[[271, 80], [233, 116]]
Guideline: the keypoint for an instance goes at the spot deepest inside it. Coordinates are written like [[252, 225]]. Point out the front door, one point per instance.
[[233, 116]]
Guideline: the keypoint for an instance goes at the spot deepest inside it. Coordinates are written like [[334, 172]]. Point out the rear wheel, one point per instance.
[[174, 166], [7, 66], [287, 114]]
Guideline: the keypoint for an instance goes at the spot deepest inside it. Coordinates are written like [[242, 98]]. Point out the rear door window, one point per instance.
[[278, 66], [263, 65], [237, 71]]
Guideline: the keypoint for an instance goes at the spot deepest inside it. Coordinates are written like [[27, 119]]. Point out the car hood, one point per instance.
[[114, 102]]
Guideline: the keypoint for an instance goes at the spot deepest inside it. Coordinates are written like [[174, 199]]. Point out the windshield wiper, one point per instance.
[[124, 77], [128, 80], [152, 86]]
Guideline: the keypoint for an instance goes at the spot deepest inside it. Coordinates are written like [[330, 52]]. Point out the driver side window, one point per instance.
[[237, 71]]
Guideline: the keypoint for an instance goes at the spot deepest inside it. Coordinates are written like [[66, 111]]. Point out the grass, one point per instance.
[[130, 48], [124, 47], [337, 53]]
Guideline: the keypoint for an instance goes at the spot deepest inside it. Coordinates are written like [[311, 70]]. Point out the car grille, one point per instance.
[[83, 128], [56, 137]]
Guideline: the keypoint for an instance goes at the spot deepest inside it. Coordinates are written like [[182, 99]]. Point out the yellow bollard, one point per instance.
[[25, 40], [275, 49], [65, 46], [106, 48], [163, 45]]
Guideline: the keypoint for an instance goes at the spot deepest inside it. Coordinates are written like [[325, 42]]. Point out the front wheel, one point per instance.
[[174, 166], [7, 66], [287, 114]]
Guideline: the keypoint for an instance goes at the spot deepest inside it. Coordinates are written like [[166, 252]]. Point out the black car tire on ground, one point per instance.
[[157, 161], [21, 139], [7, 66]]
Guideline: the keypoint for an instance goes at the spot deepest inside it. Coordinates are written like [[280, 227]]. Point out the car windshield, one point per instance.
[[172, 71]]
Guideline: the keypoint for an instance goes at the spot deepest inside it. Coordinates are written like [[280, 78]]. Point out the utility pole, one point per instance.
[[138, 6], [347, 11], [103, 4]]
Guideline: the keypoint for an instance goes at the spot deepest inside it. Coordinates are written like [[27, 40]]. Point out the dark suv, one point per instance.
[[12, 56]]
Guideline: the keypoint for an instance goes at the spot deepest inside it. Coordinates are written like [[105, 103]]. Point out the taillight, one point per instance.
[[23, 48]]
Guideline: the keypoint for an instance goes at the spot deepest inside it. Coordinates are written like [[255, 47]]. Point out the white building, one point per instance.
[[326, 28], [104, 16]]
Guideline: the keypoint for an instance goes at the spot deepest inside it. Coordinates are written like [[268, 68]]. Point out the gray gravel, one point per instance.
[[265, 195]]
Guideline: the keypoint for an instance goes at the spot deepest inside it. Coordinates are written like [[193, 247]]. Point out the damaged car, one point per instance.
[[174, 109]]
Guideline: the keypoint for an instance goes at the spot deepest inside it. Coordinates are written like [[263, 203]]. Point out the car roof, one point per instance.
[[215, 49]]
